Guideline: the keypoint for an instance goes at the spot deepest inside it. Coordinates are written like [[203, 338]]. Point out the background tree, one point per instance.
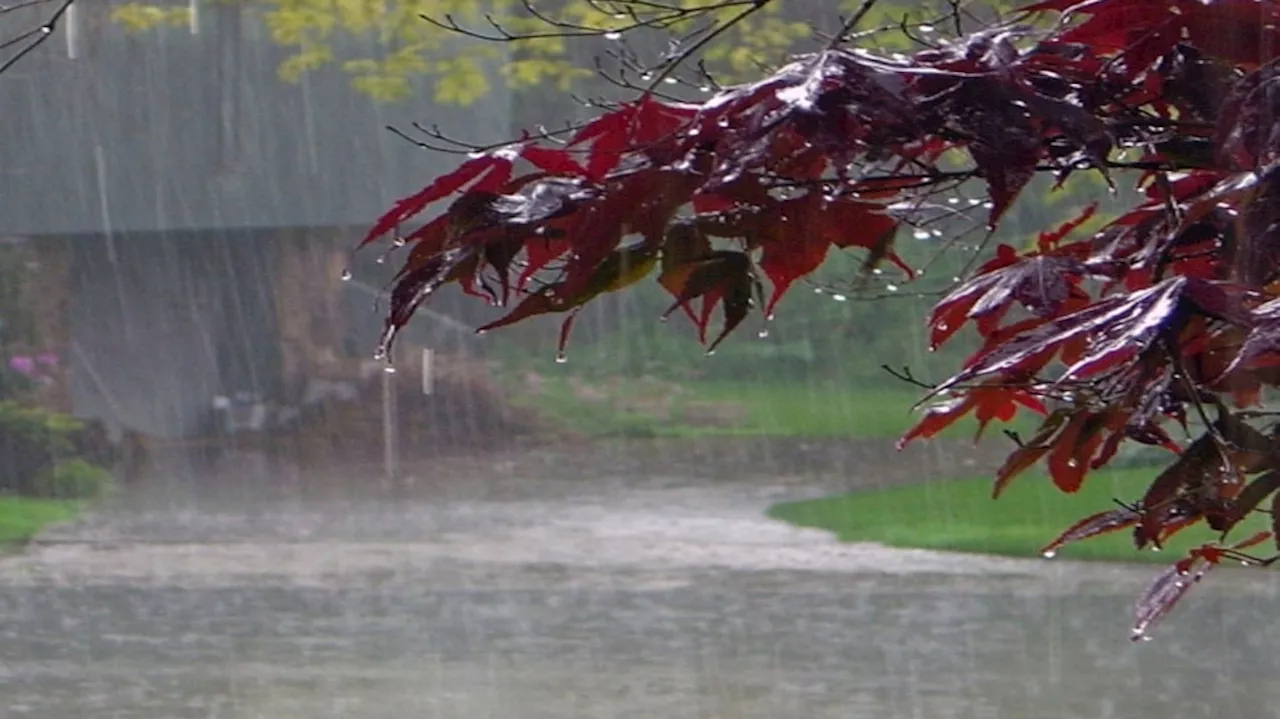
[[422, 37]]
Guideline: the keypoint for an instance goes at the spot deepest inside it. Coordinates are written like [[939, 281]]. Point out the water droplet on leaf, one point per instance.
[[613, 36]]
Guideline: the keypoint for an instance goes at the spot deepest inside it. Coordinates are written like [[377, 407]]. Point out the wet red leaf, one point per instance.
[[1092, 526]]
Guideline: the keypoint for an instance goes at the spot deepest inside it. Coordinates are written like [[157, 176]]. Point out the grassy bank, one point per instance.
[[959, 515], [652, 408], [21, 518]]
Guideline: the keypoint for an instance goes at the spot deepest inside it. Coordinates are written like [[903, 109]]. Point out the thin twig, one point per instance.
[[40, 33], [852, 23]]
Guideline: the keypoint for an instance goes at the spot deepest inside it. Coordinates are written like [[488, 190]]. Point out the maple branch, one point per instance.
[[36, 35]]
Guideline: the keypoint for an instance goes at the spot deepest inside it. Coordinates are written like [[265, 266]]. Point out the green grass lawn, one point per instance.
[[21, 518], [959, 515], [817, 409]]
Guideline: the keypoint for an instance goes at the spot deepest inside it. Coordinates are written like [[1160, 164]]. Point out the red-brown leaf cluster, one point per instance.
[[1168, 311]]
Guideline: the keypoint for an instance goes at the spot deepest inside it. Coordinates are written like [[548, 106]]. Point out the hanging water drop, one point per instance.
[[670, 80], [763, 334], [389, 369], [705, 88], [646, 76], [922, 234], [613, 35], [839, 298], [1073, 463], [709, 353], [1049, 554], [925, 28], [399, 241], [877, 271], [891, 288], [817, 290], [561, 358], [346, 275]]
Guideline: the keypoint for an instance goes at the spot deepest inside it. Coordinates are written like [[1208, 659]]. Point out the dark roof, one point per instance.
[[169, 130]]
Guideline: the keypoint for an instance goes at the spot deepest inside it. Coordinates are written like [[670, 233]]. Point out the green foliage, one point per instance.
[[73, 479], [620, 406], [958, 515], [33, 443]]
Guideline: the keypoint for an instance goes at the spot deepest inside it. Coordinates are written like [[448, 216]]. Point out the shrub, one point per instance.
[[73, 479]]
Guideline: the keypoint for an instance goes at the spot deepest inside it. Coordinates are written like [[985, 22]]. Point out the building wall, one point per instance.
[[161, 323]]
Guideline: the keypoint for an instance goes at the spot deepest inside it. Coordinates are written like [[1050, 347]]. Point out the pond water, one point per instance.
[[243, 587]]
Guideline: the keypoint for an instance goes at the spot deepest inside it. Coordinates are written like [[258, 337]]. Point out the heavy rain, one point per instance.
[[290, 530]]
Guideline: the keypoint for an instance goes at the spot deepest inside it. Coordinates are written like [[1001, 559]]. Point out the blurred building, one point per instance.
[[192, 213]]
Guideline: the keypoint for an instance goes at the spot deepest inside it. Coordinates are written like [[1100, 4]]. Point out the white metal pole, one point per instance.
[[427, 379], [388, 424]]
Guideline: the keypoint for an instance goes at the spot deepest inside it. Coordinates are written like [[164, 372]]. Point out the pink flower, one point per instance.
[[23, 365]]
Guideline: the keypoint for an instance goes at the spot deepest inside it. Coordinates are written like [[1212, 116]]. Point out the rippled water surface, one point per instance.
[[498, 594]]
